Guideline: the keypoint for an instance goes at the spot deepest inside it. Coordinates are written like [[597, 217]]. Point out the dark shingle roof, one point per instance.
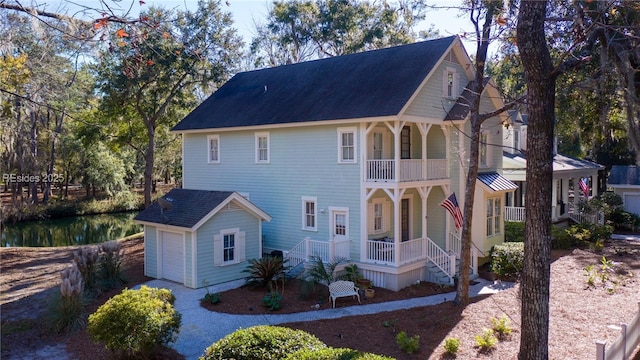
[[624, 175], [367, 84], [497, 182], [188, 207]]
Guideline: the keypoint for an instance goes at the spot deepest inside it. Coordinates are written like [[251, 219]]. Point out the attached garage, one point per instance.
[[198, 238], [625, 181], [632, 203], [172, 256]]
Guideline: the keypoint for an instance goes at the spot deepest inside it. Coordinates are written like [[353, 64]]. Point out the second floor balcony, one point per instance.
[[406, 170]]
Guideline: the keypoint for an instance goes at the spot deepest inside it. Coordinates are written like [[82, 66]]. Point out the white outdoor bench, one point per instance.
[[342, 288]]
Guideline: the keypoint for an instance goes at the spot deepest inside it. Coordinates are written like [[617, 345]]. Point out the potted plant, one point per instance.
[[352, 273], [369, 293]]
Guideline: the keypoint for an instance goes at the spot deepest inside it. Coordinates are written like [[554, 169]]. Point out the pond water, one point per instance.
[[79, 230]]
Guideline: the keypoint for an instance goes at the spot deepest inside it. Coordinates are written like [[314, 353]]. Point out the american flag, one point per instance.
[[451, 204], [584, 186]]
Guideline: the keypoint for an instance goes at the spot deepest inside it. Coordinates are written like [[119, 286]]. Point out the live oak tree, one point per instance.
[[149, 76], [299, 30]]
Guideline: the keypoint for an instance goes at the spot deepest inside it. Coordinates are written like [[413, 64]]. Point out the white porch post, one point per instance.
[[307, 248], [332, 250]]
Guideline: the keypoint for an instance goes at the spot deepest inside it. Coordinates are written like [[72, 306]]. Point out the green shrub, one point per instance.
[[334, 354], [66, 312], [451, 345], [513, 231], [265, 272], [507, 259], [486, 341], [213, 298], [622, 220], [580, 235], [272, 300], [501, 326], [135, 321], [261, 342], [406, 343]]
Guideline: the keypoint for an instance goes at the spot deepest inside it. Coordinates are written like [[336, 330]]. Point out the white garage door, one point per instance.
[[632, 203], [172, 257]]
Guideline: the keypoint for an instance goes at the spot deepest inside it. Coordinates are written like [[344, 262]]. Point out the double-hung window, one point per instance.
[[347, 145], [494, 216], [378, 224], [262, 148], [229, 247], [450, 83], [484, 150], [213, 147], [309, 213]]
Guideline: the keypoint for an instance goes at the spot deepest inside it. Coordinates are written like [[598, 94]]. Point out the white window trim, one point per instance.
[[487, 151], [209, 138], [305, 200], [344, 210], [259, 135], [386, 216], [493, 217], [344, 130], [445, 83], [239, 247]]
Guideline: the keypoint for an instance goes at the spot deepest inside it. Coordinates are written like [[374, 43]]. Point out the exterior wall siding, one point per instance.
[[150, 251], [188, 261], [436, 144], [430, 101], [209, 274], [437, 217], [303, 162]]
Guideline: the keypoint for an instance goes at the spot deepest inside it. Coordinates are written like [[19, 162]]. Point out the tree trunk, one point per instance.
[[483, 33], [534, 287], [33, 186], [149, 162]]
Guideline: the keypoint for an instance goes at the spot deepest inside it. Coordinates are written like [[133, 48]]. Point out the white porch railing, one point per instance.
[[454, 246], [383, 252], [326, 250], [597, 218], [443, 260], [626, 343], [513, 213], [410, 170]]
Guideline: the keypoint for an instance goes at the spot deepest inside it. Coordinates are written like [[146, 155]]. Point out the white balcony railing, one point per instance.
[[410, 170], [383, 252], [513, 213]]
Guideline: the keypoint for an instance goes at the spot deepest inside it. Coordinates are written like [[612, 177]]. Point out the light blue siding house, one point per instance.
[[199, 238], [351, 156]]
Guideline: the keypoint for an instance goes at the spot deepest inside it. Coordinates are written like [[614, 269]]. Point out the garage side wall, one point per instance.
[[206, 272], [150, 251]]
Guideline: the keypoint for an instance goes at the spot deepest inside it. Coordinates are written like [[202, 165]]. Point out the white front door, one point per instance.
[[339, 224]]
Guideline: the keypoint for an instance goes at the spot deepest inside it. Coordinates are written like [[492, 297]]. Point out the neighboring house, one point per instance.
[[197, 237], [567, 174], [625, 181], [352, 156]]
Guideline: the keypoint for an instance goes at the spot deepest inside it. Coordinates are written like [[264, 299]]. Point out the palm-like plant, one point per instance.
[[265, 271]]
